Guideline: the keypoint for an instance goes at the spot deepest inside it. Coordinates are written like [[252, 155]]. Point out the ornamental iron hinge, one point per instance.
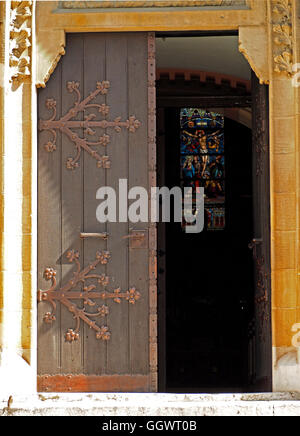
[[67, 294], [66, 123]]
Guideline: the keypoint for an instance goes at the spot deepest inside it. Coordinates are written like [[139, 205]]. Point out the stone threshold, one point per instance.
[[118, 404]]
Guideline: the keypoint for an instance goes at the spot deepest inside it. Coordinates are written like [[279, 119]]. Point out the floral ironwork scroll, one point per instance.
[[67, 293], [67, 122]]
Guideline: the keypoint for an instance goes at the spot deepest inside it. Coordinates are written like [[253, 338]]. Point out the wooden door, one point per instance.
[[97, 281], [262, 345]]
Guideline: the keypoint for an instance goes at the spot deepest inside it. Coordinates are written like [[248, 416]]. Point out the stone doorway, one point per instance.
[[214, 293]]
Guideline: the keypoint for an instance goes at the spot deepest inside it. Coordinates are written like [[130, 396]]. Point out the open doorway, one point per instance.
[[207, 282]]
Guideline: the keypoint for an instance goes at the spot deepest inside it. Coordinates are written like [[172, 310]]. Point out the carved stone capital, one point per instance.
[[282, 36]]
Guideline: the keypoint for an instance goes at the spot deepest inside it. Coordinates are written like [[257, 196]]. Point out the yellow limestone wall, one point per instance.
[[285, 183], [17, 109], [270, 40]]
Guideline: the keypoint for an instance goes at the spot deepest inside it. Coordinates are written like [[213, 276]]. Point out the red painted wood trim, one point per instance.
[[93, 383]]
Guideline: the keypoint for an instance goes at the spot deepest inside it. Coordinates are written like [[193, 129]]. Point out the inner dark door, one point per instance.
[[207, 282]]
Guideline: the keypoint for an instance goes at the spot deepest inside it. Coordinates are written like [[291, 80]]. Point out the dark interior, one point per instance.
[[206, 289]]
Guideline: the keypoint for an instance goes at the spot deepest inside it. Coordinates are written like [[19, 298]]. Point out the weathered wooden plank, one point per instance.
[[49, 228], [94, 178], [117, 99], [138, 176], [72, 199]]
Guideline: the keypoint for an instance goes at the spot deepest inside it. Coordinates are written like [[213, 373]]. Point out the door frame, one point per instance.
[[253, 25]]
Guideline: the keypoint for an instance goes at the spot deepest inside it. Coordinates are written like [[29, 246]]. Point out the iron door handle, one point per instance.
[[137, 238], [254, 243]]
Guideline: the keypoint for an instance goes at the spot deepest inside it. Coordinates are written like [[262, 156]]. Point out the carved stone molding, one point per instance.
[[282, 36], [253, 44], [54, 19], [149, 4], [20, 41], [49, 52]]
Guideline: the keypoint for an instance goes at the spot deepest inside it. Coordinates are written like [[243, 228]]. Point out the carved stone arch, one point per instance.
[[53, 21], [267, 48], [50, 50], [253, 44]]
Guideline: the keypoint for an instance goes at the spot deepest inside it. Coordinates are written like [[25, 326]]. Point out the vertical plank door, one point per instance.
[[261, 241], [97, 282]]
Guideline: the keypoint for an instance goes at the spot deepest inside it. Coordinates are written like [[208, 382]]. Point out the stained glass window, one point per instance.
[[202, 160]]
